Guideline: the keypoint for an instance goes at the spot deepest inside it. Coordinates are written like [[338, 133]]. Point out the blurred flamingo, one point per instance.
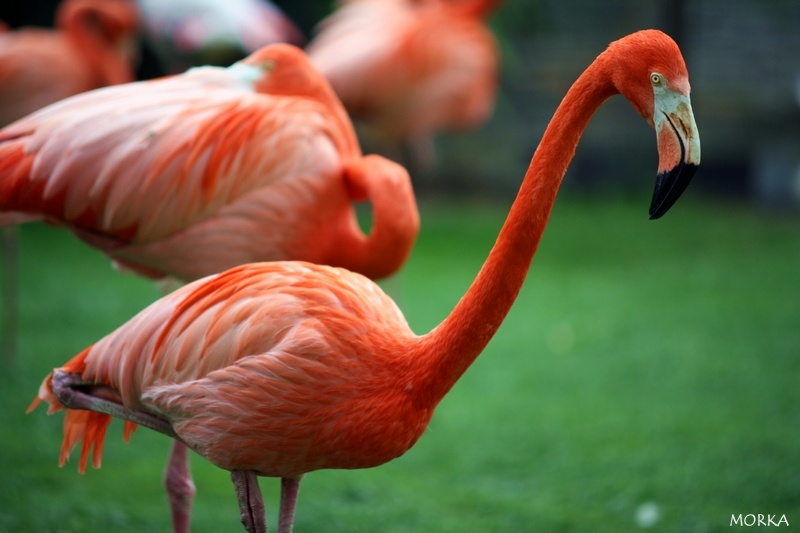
[[280, 369], [410, 69], [94, 44], [190, 32], [189, 175]]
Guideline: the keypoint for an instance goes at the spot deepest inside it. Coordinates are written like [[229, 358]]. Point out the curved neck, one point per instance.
[[395, 223], [455, 343], [107, 51]]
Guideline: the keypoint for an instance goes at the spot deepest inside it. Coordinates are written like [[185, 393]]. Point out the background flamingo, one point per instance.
[[410, 69], [94, 44], [189, 175], [200, 32], [279, 369]]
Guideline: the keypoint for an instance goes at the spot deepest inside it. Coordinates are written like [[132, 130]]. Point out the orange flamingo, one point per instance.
[[94, 45], [410, 69], [280, 369], [190, 175]]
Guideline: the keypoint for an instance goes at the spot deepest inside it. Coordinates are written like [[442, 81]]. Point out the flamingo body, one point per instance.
[[189, 175], [410, 69], [280, 369], [93, 46], [303, 327]]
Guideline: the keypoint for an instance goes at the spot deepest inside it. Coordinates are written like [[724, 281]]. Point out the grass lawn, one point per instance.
[[647, 376]]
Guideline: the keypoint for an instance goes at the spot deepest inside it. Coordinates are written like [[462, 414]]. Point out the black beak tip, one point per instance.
[[669, 187]]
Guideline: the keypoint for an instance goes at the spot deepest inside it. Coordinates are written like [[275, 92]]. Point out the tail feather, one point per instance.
[[86, 426], [83, 426], [17, 192], [128, 430]]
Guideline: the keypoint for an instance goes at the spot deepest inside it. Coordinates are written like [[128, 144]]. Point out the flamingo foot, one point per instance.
[[251, 503]]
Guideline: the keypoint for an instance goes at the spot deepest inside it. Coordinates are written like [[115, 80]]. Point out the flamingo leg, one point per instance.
[[177, 475], [9, 257], [75, 393], [290, 486], [180, 487], [251, 503]]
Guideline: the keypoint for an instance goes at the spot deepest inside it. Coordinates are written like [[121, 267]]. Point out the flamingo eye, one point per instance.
[[656, 79]]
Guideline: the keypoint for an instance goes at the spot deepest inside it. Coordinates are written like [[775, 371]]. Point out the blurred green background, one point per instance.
[[646, 378]]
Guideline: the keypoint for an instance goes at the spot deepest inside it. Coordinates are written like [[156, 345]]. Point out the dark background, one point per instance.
[[744, 63]]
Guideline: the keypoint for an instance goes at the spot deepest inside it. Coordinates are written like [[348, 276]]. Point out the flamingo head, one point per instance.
[[286, 69], [107, 33], [650, 72]]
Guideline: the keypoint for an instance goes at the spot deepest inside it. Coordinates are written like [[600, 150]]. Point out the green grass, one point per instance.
[[644, 363]]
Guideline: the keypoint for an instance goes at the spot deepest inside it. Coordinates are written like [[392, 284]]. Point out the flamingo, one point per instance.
[[410, 69], [187, 176], [94, 45], [280, 369], [184, 31]]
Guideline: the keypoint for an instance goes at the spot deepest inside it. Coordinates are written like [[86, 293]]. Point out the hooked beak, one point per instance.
[[678, 150]]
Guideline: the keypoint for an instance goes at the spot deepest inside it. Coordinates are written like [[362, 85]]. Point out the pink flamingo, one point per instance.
[[189, 175], [410, 69], [94, 45], [183, 32]]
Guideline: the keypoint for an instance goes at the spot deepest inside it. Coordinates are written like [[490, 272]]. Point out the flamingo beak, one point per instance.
[[678, 149]]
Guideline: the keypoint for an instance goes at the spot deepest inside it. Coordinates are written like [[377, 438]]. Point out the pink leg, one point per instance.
[[9, 257], [180, 488], [251, 503], [290, 486], [75, 393]]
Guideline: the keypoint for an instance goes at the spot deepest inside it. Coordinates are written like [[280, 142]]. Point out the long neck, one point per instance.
[[454, 344]]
